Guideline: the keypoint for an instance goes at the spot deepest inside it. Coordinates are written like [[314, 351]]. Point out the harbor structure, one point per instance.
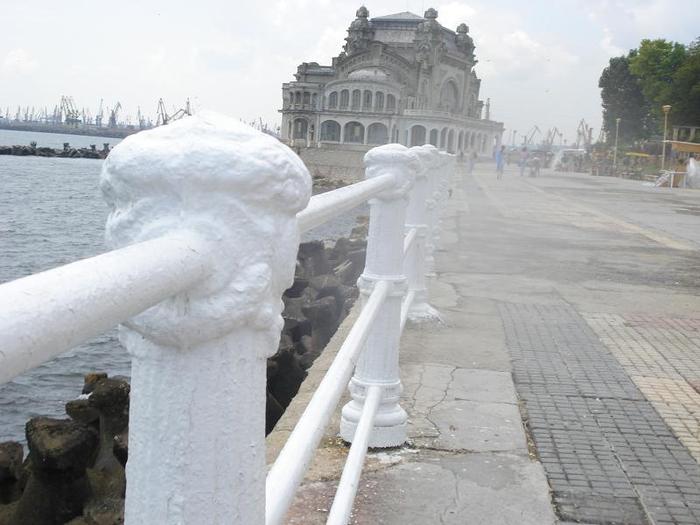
[[400, 78]]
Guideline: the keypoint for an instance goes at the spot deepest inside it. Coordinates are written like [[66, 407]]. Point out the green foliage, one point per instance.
[[654, 65], [635, 87], [685, 89], [623, 98]]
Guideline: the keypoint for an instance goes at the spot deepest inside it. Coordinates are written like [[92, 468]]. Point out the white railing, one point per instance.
[[205, 223]]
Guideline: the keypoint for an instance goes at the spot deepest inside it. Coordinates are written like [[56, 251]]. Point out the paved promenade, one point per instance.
[[562, 385]]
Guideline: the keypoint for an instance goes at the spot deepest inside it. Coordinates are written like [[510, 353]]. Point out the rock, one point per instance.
[[297, 288], [110, 398], [273, 412], [323, 314], [312, 258], [80, 410], [11, 455], [59, 452], [322, 282], [60, 444], [91, 380], [120, 449], [285, 384], [11, 472]]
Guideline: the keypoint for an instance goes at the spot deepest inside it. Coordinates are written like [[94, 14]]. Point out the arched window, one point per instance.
[[314, 99], [297, 100], [451, 141], [443, 138], [449, 97], [434, 137], [344, 99], [472, 138], [301, 127], [379, 101], [367, 100], [354, 133], [356, 98], [330, 131], [291, 98], [377, 133], [307, 98], [390, 102], [394, 134], [417, 135], [333, 100], [460, 142]]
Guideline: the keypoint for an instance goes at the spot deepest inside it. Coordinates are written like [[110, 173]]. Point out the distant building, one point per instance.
[[400, 78]]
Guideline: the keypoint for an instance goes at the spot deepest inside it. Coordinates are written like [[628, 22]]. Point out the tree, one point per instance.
[[685, 91], [655, 64], [623, 98]]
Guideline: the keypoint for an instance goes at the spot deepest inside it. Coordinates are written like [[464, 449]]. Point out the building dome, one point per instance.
[[369, 74]]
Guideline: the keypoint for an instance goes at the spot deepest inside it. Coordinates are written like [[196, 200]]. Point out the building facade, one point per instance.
[[400, 78]]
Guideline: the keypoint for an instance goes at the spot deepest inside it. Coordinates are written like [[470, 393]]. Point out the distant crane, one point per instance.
[[100, 114], [552, 134], [527, 139], [584, 135], [114, 114], [163, 117], [68, 113]]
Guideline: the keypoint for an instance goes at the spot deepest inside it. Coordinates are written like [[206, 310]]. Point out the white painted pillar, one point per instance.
[[379, 362], [197, 414], [417, 217]]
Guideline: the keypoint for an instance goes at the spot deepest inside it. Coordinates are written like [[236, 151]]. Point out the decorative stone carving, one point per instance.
[[464, 42], [359, 33]]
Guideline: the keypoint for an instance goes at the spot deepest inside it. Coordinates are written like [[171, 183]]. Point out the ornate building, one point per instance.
[[400, 78]]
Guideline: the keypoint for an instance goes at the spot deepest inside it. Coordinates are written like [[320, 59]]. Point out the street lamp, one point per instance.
[[666, 109], [617, 132]]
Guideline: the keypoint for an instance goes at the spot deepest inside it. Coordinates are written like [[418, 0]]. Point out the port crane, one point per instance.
[[584, 135], [100, 114], [164, 118], [68, 112], [527, 139], [552, 134], [114, 114]]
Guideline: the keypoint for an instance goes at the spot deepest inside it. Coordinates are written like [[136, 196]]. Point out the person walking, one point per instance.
[[471, 161], [522, 162], [500, 162]]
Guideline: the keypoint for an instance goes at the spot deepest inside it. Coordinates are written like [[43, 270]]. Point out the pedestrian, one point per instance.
[[522, 162], [500, 161], [471, 161]]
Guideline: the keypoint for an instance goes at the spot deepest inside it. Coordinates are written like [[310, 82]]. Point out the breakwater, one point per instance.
[[91, 152], [74, 472]]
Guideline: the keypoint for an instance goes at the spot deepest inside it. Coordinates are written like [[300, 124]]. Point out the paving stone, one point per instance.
[[611, 442]]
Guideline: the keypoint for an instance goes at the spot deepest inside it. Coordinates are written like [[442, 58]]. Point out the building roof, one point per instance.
[[403, 16]]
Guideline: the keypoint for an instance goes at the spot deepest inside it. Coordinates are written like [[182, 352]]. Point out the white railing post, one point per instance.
[[197, 411], [378, 364], [432, 205], [417, 218]]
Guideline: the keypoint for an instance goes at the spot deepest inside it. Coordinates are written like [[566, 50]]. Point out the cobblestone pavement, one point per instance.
[[609, 455]]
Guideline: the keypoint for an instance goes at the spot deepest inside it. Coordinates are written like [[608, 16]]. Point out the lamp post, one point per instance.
[[617, 132], [666, 109]]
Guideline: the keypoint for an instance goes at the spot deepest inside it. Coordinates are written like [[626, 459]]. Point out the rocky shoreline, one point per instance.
[[74, 471], [67, 152]]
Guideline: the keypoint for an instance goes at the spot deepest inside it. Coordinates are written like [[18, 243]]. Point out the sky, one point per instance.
[[539, 61]]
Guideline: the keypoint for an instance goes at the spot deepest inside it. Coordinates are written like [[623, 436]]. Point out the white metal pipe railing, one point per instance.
[[45, 314], [350, 479], [201, 258], [327, 206], [291, 463]]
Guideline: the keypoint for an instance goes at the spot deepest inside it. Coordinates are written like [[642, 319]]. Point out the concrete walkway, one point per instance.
[[561, 384]]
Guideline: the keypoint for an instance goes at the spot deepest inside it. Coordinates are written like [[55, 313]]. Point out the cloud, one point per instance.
[[19, 61]]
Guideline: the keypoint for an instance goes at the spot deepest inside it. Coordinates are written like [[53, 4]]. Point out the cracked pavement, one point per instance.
[[563, 385]]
